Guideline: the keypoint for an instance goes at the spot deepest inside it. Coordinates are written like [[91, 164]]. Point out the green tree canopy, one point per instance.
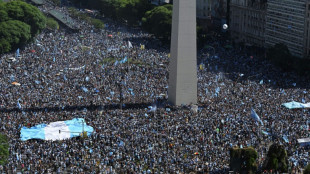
[[158, 21], [130, 10], [277, 159], [280, 55], [52, 24], [3, 13], [31, 15], [243, 160], [13, 34], [4, 149], [19, 22], [307, 169]]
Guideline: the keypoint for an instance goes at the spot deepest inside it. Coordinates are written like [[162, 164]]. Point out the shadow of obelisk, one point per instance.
[[183, 67]]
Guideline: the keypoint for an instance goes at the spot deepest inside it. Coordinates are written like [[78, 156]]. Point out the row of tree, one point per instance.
[[19, 22], [154, 19], [4, 149], [280, 55], [243, 160]]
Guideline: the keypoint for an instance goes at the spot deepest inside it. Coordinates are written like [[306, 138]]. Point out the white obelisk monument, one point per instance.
[[183, 60]]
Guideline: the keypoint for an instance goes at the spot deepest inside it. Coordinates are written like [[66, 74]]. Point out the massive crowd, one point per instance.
[[65, 75]]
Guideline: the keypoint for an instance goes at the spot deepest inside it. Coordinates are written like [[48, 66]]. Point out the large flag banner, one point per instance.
[[59, 130], [256, 117], [296, 105]]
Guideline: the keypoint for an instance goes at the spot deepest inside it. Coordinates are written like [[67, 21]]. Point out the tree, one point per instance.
[[13, 33], [277, 159], [158, 21], [31, 15], [3, 13], [52, 24], [281, 56], [19, 22], [307, 169], [243, 160], [98, 24], [4, 149], [131, 11]]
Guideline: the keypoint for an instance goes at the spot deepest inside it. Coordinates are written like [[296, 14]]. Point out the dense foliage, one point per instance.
[[52, 24], [280, 55], [158, 21], [19, 22], [307, 169], [130, 11], [277, 159], [243, 160], [4, 149], [97, 23]]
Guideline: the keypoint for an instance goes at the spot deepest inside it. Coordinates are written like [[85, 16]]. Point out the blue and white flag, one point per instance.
[[123, 60], [152, 108], [217, 90], [102, 66], [131, 91], [17, 53], [19, 105], [256, 117], [266, 133], [59, 130], [129, 44], [285, 138], [296, 105], [84, 89], [121, 143]]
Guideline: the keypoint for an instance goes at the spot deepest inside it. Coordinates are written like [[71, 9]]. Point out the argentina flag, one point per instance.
[[59, 130], [256, 117]]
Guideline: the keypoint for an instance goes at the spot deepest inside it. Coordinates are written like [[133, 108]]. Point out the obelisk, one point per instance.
[[183, 54]]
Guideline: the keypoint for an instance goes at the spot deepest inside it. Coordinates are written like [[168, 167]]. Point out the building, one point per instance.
[[247, 21], [203, 9], [287, 21], [211, 13]]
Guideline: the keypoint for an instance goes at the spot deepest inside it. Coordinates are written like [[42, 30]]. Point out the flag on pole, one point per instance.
[[131, 91], [19, 105], [17, 53], [256, 117], [129, 44], [285, 139]]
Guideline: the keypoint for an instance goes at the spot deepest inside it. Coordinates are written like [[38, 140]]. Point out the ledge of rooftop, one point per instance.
[[38, 2], [63, 18]]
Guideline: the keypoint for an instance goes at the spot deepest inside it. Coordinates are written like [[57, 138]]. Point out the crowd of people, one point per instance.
[[64, 75]]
